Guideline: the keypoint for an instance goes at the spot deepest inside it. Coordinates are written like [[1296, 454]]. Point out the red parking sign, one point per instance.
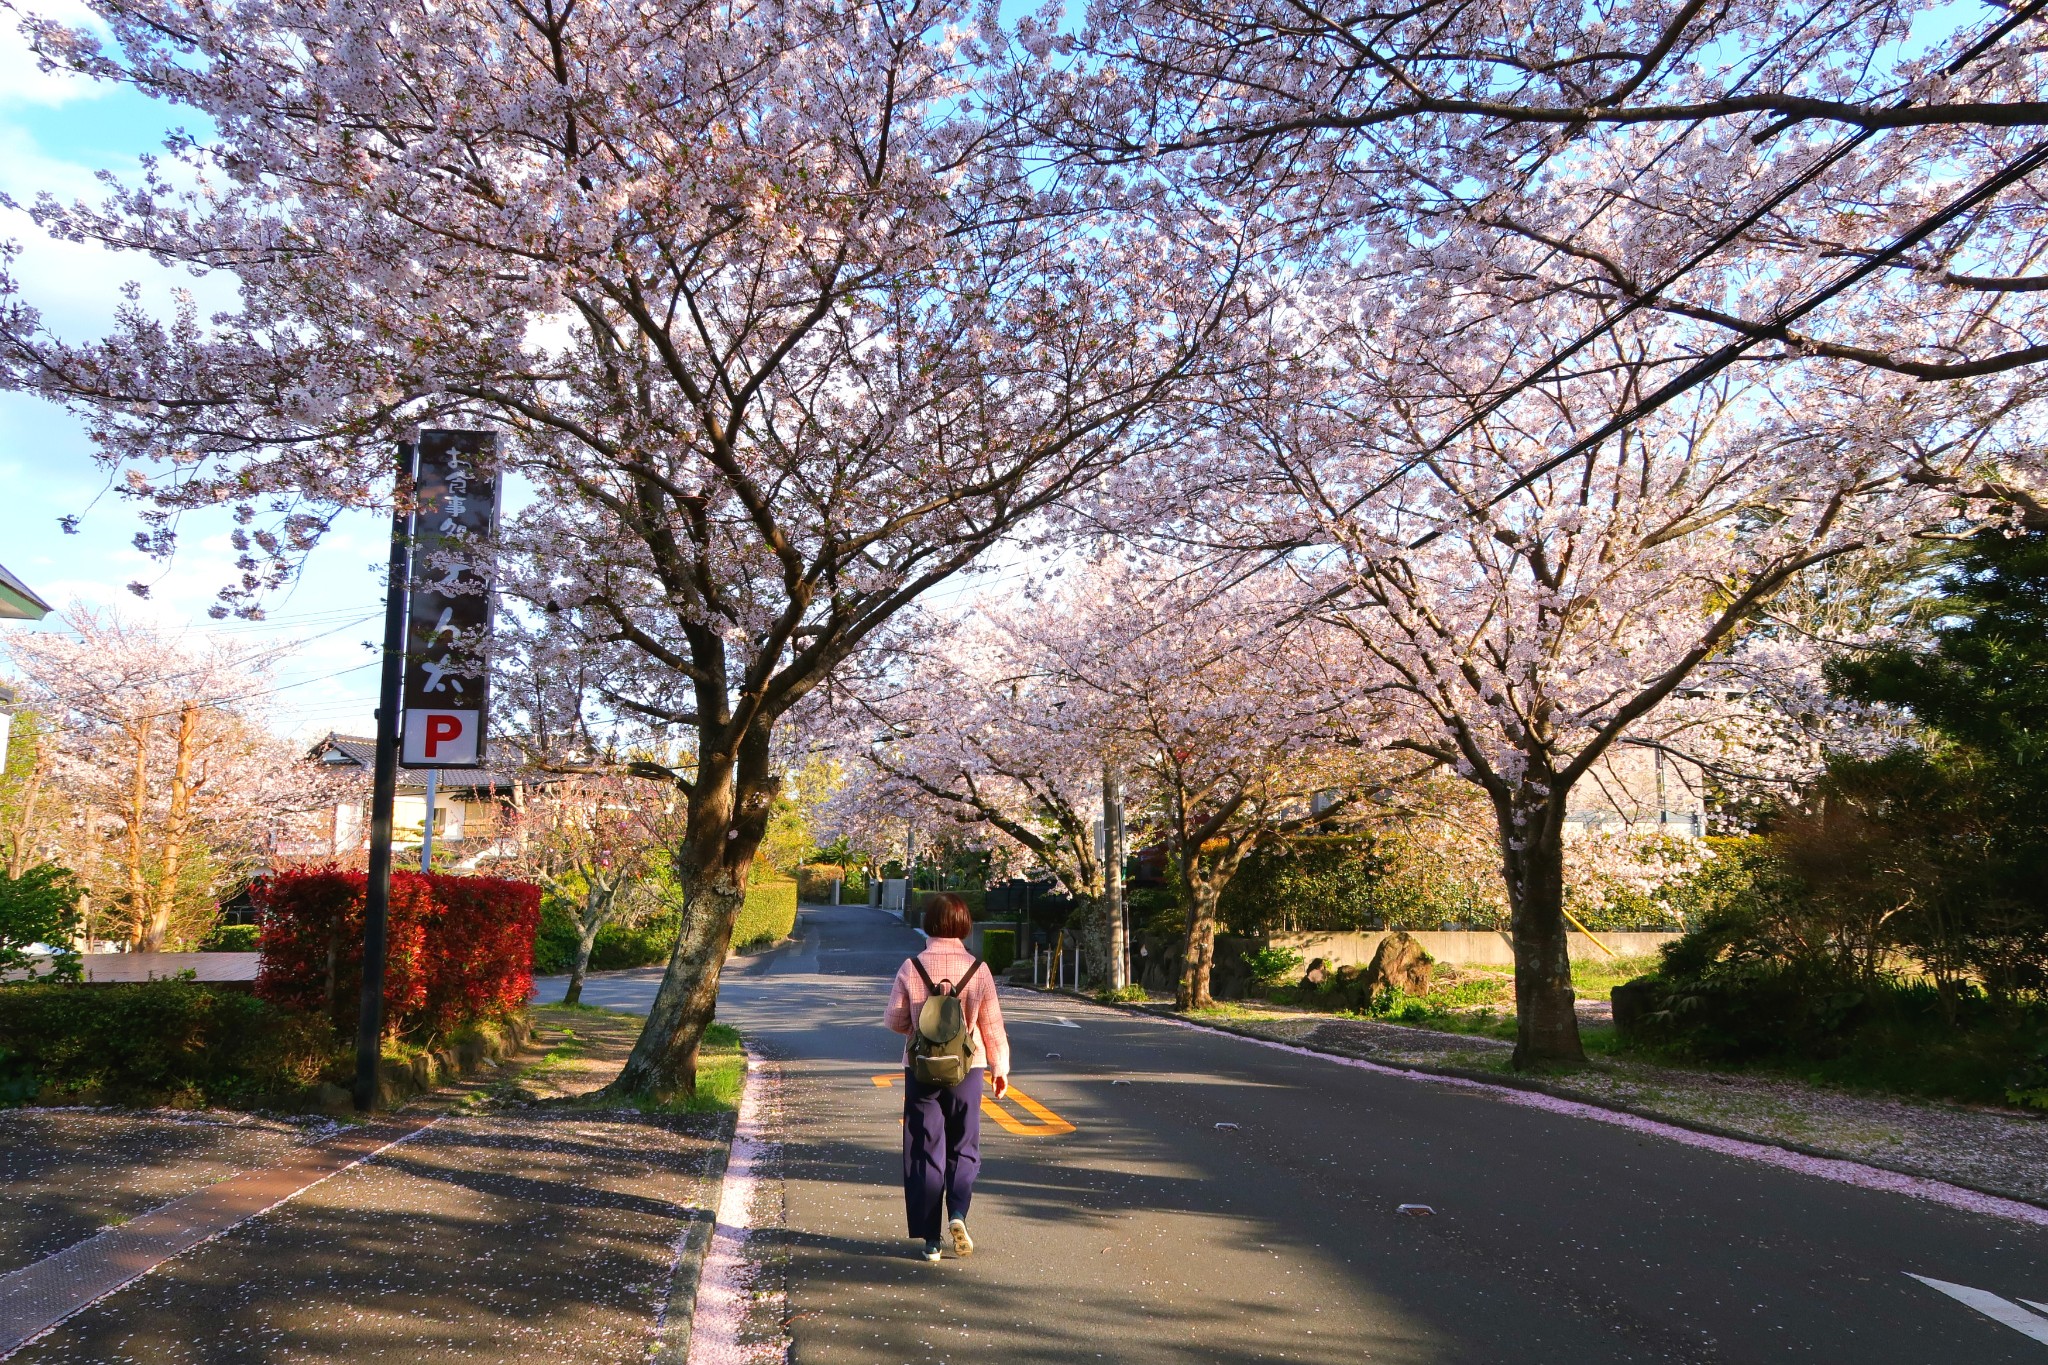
[[440, 738]]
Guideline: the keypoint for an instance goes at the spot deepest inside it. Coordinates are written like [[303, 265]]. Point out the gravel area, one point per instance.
[[67, 1173], [505, 1232], [2003, 1151]]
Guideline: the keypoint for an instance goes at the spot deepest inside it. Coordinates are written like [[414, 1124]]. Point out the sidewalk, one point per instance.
[[499, 1232], [1999, 1151]]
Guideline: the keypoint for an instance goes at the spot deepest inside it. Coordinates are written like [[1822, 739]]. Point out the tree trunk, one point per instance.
[[728, 816], [584, 941], [1198, 949], [1546, 1017], [177, 824], [138, 806], [596, 911], [664, 1061]]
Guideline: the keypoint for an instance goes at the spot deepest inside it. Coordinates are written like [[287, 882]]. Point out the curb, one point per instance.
[[1497, 1081], [678, 1314], [676, 1321]]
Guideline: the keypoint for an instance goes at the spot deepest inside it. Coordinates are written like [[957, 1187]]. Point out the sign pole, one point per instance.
[[383, 795], [427, 830]]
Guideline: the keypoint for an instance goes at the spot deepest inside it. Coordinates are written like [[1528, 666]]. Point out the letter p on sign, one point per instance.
[[439, 739]]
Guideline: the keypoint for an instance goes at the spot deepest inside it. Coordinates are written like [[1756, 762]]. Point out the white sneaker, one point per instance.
[[963, 1245], [931, 1251]]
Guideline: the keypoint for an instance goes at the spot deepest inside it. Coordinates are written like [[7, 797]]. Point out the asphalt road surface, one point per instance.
[[1219, 1201]]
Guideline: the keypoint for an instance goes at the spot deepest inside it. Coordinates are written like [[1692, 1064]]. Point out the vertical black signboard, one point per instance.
[[447, 636]]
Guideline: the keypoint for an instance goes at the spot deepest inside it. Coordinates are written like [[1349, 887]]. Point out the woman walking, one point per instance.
[[941, 1120]]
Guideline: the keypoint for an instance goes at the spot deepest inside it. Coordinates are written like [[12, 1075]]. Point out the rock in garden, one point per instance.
[[1317, 974], [1401, 964], [1633, 1002]]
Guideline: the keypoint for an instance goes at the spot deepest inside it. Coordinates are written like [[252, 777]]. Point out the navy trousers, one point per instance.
[[941, 1150]]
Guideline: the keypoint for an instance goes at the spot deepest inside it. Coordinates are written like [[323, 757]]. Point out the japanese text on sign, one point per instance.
[[449, 625]]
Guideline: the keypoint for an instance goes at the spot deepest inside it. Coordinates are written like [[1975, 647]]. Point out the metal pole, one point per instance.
[[383, 795], [427, 831]]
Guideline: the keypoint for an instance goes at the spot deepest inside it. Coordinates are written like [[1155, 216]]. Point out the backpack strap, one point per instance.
[[929, 988], [967, 976]]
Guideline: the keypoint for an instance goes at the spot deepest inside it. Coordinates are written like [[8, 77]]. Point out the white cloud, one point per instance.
[[23, 81]]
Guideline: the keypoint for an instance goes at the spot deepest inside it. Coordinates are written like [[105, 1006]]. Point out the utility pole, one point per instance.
[[909, 870], [1117, 940], [384, 793]]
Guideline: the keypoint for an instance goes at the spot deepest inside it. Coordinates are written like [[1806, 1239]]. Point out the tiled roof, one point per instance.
[[363, 750]]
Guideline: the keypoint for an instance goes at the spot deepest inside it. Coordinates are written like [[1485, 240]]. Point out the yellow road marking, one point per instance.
[[1048, 1123]]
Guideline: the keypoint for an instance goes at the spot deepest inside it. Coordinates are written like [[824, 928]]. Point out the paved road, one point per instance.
[[1152, 1234]]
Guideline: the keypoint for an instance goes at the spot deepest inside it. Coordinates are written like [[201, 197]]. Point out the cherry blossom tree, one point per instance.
[[1227, 720], [1229, 711], [1522, 616], [598, 845], [1731, 164], [160, 744], [782, 325], [960, 733]]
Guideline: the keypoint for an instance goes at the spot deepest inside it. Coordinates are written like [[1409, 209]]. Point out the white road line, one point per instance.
[[1991, 1306]]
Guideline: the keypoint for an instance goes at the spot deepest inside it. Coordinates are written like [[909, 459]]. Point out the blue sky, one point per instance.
[[54, 133]]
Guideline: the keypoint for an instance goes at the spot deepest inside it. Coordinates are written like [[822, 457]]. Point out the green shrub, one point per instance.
[[40, 907], [1272, 966], [1155, 910], [767, 917], [999, 949], [976, 902], [1315, 882], [554, 943], [231, 938], [618, 946], [814, 882], [1123, 995], [177, 1042]]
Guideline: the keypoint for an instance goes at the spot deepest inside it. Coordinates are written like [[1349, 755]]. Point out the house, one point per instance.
[[17, 603], [468, 802]]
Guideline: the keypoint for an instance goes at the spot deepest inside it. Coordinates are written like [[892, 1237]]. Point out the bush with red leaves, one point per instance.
[[460, 948]]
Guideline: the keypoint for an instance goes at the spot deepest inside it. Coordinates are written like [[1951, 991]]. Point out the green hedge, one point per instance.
[[999, 948], [814, 881], [554, 942], [231, 938], [768, 916], [976, 902], [158, 1042], [766, 919]]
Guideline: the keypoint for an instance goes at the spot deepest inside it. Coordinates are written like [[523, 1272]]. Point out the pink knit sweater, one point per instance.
[[946, 959]]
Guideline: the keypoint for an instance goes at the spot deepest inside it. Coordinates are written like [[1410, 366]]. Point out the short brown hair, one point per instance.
[[947, 916]]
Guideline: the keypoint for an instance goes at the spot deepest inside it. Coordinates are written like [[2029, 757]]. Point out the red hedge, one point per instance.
[[460, 948]]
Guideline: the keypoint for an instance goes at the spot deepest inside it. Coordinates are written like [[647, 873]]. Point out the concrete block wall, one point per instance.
[[1484, 948]]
